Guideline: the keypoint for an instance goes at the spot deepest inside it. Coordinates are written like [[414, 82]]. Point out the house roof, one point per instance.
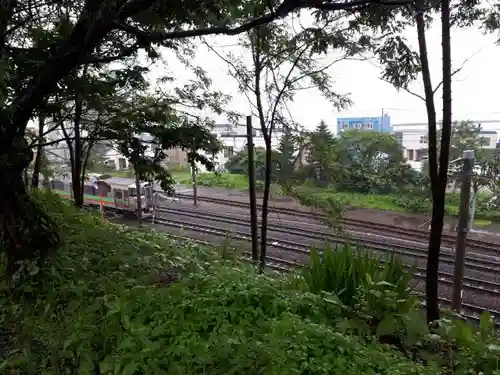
[[118, 181]]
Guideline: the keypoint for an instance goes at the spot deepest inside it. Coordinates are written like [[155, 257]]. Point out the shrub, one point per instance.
[[344, 270], [118, 301]]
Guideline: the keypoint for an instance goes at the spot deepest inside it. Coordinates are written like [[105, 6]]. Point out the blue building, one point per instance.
[[379, 124]]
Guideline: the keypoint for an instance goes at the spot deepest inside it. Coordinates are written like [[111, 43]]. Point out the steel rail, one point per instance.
[[475, 261], [486, 246]]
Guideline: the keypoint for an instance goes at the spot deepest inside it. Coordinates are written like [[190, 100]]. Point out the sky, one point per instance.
[[474, 87]]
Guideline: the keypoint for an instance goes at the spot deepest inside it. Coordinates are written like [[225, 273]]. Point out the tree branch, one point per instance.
[[281, 11], [286, 83], [456, 71]]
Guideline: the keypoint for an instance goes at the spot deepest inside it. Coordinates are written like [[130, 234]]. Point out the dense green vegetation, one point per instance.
[[128, 302], [83, 297]]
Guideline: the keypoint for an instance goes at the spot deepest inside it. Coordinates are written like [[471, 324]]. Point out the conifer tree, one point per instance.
[[322, 155]]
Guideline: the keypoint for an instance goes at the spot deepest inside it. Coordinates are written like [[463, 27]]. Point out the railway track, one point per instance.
[[481, 282], [474, 261], [486, 247]]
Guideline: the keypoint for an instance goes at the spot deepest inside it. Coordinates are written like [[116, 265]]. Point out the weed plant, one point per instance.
[[345, 269]]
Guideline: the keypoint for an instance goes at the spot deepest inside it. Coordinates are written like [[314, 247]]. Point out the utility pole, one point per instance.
[[463, 227], [251, 191]]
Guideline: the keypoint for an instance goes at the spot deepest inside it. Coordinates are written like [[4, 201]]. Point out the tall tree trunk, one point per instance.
[[193, 181], [265, 205], [446, 130], [78, 147], [85, 161], [437, 218], [26, 232], [35, 181], [25, 176], [139, 202]]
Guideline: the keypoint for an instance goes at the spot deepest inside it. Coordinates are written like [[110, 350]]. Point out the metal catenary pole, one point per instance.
[[463, 227], [251, 190]]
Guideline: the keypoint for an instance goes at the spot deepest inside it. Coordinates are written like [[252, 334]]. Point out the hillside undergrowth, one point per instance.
[[118, 301]]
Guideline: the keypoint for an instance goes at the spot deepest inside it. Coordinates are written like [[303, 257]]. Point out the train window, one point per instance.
[[132, 192], [118, 194], [57, 185], [87, 189]]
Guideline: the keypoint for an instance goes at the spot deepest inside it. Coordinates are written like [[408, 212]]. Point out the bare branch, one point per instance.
[[453, 73], [286, 83], [406, 89], [456, 71], [236, 74]]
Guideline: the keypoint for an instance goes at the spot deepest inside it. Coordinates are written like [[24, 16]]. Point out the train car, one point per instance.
[[116, 193]]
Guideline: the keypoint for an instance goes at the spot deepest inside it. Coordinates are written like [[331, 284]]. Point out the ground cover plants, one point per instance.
[[117, 301]]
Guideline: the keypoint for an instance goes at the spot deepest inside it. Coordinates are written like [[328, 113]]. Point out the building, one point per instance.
[[413, 138], [234, 140], [380, 124]]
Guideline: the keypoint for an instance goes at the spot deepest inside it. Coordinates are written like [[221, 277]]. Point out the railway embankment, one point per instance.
[[116, 300]]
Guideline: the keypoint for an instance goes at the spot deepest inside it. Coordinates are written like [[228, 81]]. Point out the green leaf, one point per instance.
[[388, 326], [130, 369]]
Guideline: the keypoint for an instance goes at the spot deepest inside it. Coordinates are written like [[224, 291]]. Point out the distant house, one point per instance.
[[413, 138]]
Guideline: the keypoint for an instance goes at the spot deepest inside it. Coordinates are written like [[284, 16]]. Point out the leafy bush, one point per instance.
[[343, 271], [228, 181], [328, 198], [375, 294], [225, 180], [375, 290], [118, 301]]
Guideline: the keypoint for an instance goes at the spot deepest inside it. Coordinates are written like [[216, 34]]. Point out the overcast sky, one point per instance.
[[474, 88]]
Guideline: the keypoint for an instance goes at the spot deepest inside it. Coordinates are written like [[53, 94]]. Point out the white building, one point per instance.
[[413, 137], [232, 137], [234, 140]]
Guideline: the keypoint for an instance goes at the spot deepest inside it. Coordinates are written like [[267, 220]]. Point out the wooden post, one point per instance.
[[463, 227]]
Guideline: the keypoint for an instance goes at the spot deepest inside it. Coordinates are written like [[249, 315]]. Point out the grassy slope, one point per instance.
[[98, 305]]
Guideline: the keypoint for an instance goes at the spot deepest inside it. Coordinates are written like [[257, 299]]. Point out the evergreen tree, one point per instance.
[[321, 154]]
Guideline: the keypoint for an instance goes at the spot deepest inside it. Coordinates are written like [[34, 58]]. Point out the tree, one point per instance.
[[238, 163], [321, 153], [286, 150], [199, 140], [402, 66], [369, 161], [282, 63], [90, 108], [467, 135], [90, 32]]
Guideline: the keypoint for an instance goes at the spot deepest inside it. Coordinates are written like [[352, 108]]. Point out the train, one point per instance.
[[116, 193]]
